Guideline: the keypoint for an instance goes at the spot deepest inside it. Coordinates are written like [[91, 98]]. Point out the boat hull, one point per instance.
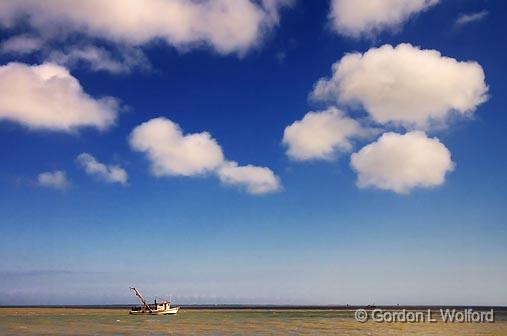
[[170, 311]]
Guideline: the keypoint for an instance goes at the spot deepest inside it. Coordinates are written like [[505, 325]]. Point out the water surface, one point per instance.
[[63, 321]]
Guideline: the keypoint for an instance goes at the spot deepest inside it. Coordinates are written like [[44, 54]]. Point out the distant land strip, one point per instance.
[[271, 307]]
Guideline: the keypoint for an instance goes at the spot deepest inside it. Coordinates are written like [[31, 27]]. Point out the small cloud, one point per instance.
[[255, 180], [367, 18], [108, 173], [55, 179], [21, 44], [174, 153], [280, 57], [321, 135], [464, 19]]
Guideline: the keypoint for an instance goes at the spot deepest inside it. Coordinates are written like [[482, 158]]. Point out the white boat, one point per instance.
[[163, 308]]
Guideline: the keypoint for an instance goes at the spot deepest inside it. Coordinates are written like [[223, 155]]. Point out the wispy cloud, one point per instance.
[[45, 272], [21, 44], [97, 58], [108, 173], [464, 19]]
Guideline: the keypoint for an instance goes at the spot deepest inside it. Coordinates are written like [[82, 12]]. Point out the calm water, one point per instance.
[[58, 321]]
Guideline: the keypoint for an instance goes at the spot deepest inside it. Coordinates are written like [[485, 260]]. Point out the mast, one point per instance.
[[141, 298]]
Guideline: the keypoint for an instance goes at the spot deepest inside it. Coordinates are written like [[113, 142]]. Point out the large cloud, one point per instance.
[[173, 153], [356, 18], [47, 96], [108, 173], [405, 85], [402, 162], [226, 25], [321, 135]]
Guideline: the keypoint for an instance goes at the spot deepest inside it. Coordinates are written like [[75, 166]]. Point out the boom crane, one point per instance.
[[141, 298]]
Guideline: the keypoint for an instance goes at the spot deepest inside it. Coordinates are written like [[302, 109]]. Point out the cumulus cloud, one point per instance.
[[356, 18], [173, 153], [228, 26], [255, 180], [108, 173], [321, 135], [55, 179], [47, 96], [464, 19], [21, 44], [405, 85], [401, 162]]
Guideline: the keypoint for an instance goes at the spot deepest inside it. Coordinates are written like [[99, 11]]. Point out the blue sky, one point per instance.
[[302, 231]]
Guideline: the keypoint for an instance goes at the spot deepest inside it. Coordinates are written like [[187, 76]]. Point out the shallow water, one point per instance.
[[60, 321]]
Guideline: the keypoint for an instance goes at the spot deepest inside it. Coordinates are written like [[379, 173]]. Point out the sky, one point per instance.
[[253, 152]]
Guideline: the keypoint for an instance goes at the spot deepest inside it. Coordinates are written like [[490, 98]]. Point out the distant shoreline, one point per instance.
[[265, 307]]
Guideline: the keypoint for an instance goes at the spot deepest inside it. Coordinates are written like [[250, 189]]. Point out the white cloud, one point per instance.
[[321, 135], [228, 26], [255, 180], [172, 153], [21, 44], [47, 96], [405, 85], [55, 179], [464, 19], [108, 173], [402, 162], [356, 18]]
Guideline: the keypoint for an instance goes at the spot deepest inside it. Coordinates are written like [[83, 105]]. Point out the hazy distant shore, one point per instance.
[[267, 307]]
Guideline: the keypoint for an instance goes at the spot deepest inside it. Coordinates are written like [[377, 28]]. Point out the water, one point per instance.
[[60, 321]]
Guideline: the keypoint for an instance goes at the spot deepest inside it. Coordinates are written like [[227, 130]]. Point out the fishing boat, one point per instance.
[[163, 308]]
